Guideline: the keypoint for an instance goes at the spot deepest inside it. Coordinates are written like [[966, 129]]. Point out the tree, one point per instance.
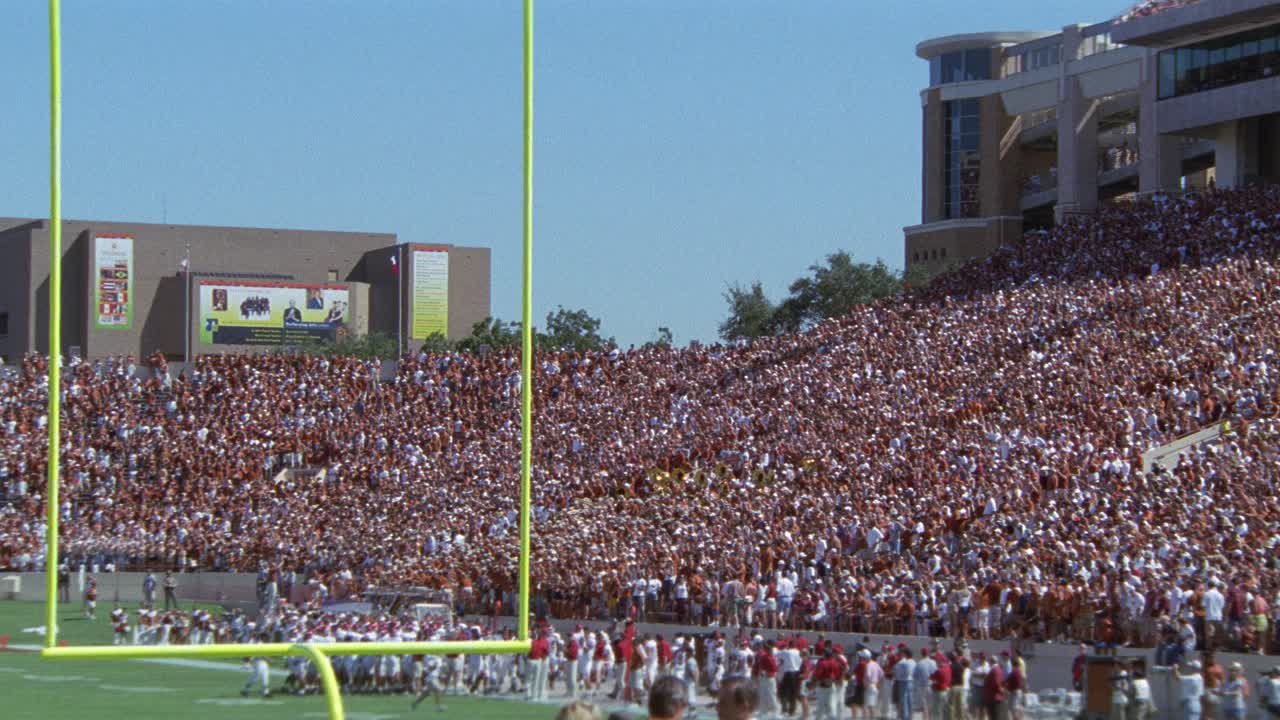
[[664, 339], [437, 342], [373, 345], [835, 289], [571, 330], [916, 276], [751, 313], [491, 333]]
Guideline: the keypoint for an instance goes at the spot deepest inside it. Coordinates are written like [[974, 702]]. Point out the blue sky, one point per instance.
[[680, 146]]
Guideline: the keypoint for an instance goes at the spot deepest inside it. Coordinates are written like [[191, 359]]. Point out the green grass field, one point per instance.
[[31, 688]]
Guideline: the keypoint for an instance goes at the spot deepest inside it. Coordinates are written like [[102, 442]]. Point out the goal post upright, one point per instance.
[[55, 321], [317, 653], [526, 332]]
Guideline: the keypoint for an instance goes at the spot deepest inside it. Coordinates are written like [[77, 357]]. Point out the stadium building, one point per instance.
[[135, 288], [1024, 129]]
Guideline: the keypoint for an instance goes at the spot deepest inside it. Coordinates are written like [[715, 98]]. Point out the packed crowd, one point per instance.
[[965, 458], [784, 675], [1154, 7]]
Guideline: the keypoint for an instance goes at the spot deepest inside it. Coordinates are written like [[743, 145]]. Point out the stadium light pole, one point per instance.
[[55, 316]]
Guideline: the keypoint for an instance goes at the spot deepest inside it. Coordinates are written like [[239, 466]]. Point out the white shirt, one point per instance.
[[1270, 689], [786, 589], [1192, 687], [1214, 603], [790, 660]]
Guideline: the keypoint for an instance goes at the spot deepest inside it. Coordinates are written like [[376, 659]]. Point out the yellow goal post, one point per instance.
[[317, 653]]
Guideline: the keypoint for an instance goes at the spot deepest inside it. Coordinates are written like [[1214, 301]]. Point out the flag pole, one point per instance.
[[399, 307], [186, 308]]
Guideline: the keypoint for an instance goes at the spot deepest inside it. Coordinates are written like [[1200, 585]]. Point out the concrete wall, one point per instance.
[[955, 242], [157, 288], [204, 587], [933, 158], [1234, 102], [15, 271], [468, 297]]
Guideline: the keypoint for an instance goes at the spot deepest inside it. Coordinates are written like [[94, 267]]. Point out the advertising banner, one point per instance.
[[236, 313], [113, 282], [430, 292]]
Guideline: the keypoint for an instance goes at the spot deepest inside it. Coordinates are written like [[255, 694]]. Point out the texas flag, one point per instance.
[[395, 266]]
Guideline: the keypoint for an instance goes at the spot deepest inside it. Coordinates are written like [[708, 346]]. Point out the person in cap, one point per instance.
[[1141, 703], [766, 672], [1190, 690], [572, 652], [1269, 692], [1234, 692], [1121, 691]]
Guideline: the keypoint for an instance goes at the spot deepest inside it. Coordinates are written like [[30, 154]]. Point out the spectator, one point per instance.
[[737, 700], [667, 699]]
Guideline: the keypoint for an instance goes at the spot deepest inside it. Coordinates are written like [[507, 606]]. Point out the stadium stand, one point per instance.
[[964, 459]]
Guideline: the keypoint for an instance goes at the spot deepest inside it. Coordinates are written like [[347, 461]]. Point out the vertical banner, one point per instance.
[[430, 292], [113, 282]]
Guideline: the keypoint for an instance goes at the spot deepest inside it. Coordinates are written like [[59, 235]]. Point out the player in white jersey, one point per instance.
[[603, 661], [259, 674], [691, 672], [119, 626], [430, 683], [650, 661], [678, 656], [586, 660], [91, 598], [389, 667], [478, 672], [741, 661], [296, 681], [716, 666], [555, 658]]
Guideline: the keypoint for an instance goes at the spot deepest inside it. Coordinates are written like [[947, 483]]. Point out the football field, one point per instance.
[[31, 688]]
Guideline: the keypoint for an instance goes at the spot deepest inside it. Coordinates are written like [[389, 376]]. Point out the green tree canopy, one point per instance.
[[751, 313], [491, 333], [831, 289], [571, 330]]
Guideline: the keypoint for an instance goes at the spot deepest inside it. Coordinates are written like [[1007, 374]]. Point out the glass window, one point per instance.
[[4, 324], [1243, 57], [1168, 73], [977, 64], [952, 66], [962, 162]]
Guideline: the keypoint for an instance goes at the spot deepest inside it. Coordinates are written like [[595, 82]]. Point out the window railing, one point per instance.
[[1020, 61], [1040, 182], [1096, 45]]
